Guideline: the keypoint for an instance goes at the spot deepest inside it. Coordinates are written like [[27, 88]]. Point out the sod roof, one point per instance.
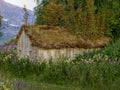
[[53, 37]]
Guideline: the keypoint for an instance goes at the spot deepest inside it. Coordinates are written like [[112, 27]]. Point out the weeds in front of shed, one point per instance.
[[96, 70]]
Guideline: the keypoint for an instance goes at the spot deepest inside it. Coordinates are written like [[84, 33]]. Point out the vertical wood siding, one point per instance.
[[47, 54], [25, 49]]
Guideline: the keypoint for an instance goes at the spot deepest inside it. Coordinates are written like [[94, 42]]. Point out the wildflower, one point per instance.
[[106, 57], [22, 84], [15, 84], [1, 83]]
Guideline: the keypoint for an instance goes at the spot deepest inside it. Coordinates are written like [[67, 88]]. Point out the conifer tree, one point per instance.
[[0, 19], [26, 14], [0, 23]]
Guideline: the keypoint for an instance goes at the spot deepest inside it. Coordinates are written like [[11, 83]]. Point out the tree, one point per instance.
[[84, 17], [0, 19], [52, 14], [0, 23], [26, 14]]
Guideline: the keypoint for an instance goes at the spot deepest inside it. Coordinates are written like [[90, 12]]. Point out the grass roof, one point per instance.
[[53, 37]]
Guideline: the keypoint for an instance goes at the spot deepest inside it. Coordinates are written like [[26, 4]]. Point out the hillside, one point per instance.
[[12, 20]]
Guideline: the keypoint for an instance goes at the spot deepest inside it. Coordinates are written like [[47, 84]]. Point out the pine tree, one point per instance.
[[0, 23], [26, 14], [0, 19]]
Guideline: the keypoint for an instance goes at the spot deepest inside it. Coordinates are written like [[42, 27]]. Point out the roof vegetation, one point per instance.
[[54, 37]]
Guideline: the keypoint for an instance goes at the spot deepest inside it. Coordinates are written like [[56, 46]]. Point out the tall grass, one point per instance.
[[99, 69]]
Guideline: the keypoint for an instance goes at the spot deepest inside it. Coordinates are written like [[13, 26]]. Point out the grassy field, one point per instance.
[[12, 83], [99, 70]]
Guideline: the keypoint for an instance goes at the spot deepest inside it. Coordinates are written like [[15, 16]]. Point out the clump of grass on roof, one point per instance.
[[54, 37]]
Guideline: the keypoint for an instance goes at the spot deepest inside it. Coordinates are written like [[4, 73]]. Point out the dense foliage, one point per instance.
[[84, 17]]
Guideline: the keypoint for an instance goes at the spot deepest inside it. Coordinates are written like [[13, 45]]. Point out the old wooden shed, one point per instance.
[[48, 42]]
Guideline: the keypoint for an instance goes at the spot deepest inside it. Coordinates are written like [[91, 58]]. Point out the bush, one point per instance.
[[114, 24]]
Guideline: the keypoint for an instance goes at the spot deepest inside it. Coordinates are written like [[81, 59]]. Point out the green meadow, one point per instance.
[[97, 70]]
